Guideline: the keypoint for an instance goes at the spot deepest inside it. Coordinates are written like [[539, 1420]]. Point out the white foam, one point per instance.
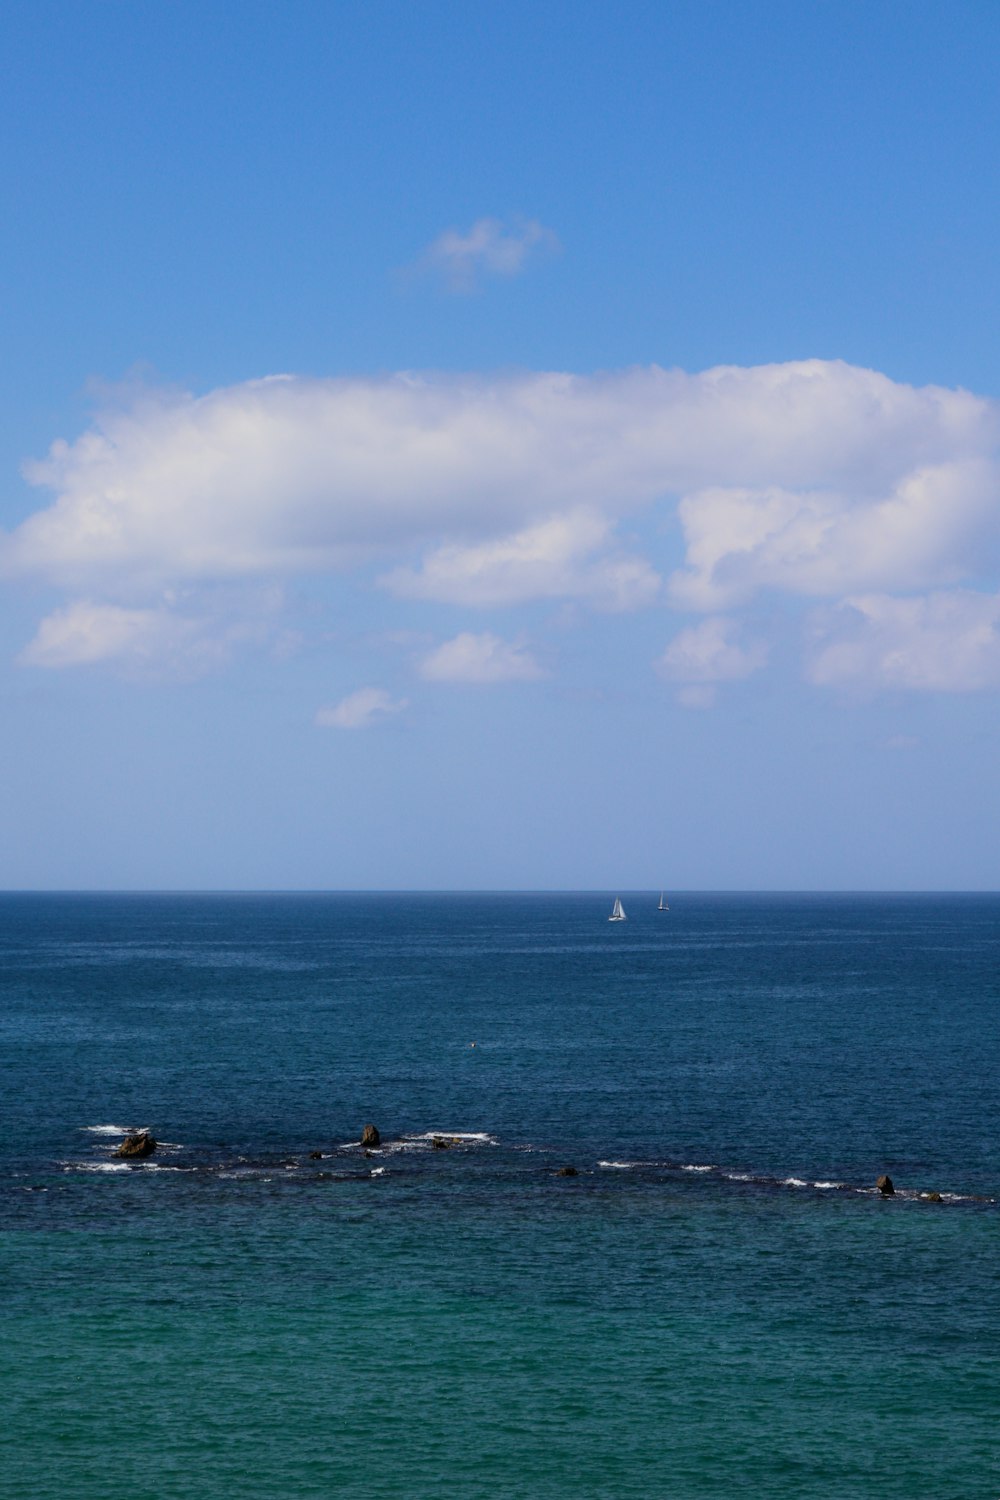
[[793, 1182], [419, 1141], [739, 1176], [691, 1167], [96, 1166], [828, 1184], [482, 1136], [108, 1129], [620, 1165], [378, 1171]]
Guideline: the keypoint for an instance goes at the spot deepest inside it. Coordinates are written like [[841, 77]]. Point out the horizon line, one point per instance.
[[596, 891]]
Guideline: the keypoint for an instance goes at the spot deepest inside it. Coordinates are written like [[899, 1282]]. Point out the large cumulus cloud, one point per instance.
[[813, 479]]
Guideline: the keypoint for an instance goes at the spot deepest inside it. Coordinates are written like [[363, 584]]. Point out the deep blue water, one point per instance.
[[716, 1299]]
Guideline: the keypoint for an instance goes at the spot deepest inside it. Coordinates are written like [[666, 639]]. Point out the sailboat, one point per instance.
[[663, 905], [617, 911]]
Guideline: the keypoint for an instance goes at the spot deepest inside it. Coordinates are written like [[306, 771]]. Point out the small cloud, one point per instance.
[[708, 653], [141, 642], [360, 710], [83, 634], [698, 695], [480, 658], [286, 644], [947, 642], [489, 248], [554, 559], [164, 640]]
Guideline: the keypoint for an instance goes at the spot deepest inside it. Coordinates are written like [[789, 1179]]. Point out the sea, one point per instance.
[[621, 1237]]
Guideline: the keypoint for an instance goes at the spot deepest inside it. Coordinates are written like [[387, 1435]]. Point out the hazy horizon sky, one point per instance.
[[546, 446]]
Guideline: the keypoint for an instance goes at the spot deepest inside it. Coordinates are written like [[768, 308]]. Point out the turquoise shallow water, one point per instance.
[[235, 1318]]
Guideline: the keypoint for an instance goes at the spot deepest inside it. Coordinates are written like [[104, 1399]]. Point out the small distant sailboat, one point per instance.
[[618, 911], [663, 905]]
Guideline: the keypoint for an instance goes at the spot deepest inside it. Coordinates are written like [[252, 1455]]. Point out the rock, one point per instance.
[[438, 1143], [932, 1197], [885, 1187], [370, 1136], [567, 1172], [315, 1156], [138, 1145]]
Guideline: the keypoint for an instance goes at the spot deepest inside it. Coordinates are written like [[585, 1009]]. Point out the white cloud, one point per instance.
[[788, 471], [925, 529], [480, 658], [697, 695], [551, 560], [489, 248], [360, 710], [181, 635], [815, 479], [85, 633], [139, 641], [709, 652], [944, 642]]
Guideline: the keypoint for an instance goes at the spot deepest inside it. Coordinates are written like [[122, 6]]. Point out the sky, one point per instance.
[[514, 445]]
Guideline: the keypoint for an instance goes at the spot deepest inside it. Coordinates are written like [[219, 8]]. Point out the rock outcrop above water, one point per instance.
[[370, 1137], [138, 1145], [885, 1187], [567, 1172], [934, 1197]]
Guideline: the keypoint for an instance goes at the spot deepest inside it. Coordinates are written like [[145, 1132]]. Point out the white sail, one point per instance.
[[617, 911], [663, 905]]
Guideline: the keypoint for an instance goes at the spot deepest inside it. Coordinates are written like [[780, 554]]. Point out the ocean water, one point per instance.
[[717, 1301]]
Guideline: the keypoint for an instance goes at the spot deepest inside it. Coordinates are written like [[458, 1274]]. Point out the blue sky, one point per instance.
[[546, 445]]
